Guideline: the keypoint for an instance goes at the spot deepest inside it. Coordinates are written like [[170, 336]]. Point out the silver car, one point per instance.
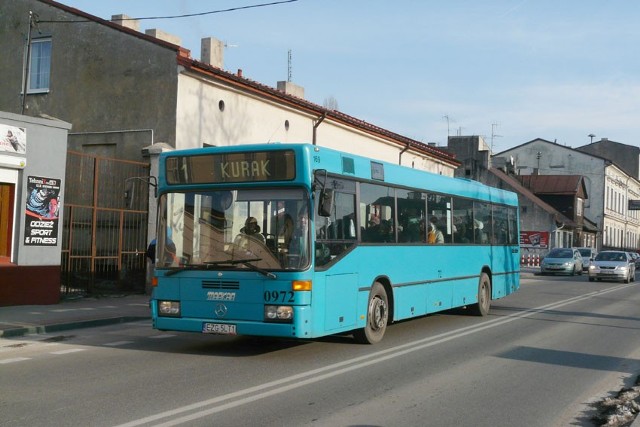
[[562, 261], [612, 265], [588, 254]]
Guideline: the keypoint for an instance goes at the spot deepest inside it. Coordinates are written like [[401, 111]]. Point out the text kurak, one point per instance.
[[255, 170]]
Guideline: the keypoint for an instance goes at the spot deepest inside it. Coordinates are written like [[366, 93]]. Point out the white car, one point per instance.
[[612, 265]]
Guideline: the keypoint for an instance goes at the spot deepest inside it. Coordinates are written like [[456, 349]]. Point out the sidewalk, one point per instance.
[[72, 314]]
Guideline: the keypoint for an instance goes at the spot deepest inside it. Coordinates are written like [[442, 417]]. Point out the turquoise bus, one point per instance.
[[302, 241]]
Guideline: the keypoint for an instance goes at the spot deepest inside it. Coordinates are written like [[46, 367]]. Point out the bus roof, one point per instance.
[[315, 157]]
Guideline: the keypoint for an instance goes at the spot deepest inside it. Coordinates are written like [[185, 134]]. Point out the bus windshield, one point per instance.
[[259, 229]]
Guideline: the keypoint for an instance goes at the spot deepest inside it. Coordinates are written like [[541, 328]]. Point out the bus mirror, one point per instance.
[[325, 204]]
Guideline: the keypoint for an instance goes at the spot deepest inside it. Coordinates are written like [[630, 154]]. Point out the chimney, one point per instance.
[[291, 89], [126, 21], [159, 34], [212, 52]]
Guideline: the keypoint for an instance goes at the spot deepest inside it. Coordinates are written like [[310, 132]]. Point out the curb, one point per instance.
[[44, 329]]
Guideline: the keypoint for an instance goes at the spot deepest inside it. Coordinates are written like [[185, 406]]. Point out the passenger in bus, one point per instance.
[[479, 235], [222, 201], [434, 236], [298, 246], [252, 229], [287, 231]]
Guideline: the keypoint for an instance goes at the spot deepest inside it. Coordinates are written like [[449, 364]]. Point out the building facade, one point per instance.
[[608, 187], [123, 89], [32, 171]]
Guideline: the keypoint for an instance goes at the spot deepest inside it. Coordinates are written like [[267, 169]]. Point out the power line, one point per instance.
[[233, 9]]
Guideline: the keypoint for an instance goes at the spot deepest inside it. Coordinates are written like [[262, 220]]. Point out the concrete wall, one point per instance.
[[627, 157], [36, 266], [107, 83]]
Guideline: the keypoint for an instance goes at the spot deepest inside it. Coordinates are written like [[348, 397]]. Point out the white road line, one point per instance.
[[71, 350], [251, 394], [14, 360], [158, 337], [118, 343]]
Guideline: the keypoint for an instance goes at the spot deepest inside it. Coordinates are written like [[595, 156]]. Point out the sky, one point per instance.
[[510, 71]]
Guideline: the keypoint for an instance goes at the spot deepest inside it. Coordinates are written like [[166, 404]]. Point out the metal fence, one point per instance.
[[104, 235]]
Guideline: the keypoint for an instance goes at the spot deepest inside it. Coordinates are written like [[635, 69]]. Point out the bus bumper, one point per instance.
[[300, 328]]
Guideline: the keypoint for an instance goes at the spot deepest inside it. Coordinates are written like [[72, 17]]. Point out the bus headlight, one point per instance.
[[278, 313], [169, 308]]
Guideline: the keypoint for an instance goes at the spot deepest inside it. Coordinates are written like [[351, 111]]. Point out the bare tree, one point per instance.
[[330, 103]]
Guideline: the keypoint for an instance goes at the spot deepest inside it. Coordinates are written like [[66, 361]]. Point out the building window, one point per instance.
[[579, 206], [39, 66]]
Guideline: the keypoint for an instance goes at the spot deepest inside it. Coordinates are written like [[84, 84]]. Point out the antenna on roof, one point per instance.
[[289, 66], [493, 134]]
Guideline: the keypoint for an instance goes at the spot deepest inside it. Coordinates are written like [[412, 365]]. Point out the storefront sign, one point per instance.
[[41, 214], [534, 239]]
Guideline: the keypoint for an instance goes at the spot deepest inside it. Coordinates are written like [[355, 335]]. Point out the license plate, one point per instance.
[[219, 328]]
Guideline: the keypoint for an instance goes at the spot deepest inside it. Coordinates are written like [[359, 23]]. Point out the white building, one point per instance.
[[609, 188]]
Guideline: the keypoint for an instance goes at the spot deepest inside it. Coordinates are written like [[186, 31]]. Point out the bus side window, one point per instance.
[[337, 233]]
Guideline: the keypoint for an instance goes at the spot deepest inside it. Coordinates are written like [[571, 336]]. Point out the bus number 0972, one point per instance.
[[278, 296]]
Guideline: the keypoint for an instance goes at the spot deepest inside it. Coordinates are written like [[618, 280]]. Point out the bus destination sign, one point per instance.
[[260, 166]]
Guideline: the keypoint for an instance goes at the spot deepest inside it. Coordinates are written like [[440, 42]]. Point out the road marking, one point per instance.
[[118, 343], [71, 350], [158, 337], [262, 391], [14, 360]]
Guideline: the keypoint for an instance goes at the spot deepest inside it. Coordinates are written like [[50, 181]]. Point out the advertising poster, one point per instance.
[[13, 139], [41, 213], [534, 239]]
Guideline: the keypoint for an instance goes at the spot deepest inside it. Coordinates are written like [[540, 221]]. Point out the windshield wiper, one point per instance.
[[269, 274], [210, 264]]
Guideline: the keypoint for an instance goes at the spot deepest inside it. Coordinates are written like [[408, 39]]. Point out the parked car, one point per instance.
[[588, 254], [636, 258], [613, 265], [562, 261]]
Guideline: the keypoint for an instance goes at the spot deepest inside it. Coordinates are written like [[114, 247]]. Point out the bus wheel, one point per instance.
[[484, 297], [377, 317]]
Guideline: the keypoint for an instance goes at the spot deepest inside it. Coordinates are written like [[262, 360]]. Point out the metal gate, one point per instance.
[[104, 236]]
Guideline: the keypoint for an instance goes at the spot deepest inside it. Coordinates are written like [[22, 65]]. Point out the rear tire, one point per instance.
[[484, 297], [377, 317]]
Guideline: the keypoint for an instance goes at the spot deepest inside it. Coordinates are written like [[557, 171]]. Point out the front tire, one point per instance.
[[377, 317], [484, 297]]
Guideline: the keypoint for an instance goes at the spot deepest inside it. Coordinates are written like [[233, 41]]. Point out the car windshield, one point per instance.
[[264, 229], [561, 253], [611, 256], [585, 252]]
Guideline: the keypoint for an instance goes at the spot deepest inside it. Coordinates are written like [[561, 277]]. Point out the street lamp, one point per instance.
[[591, 136]]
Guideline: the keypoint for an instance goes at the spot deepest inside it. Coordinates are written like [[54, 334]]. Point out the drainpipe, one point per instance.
[[316, 124], [401, 153], [25, 81]]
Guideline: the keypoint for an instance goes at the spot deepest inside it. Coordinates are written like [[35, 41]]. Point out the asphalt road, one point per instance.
[[539, 359]]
